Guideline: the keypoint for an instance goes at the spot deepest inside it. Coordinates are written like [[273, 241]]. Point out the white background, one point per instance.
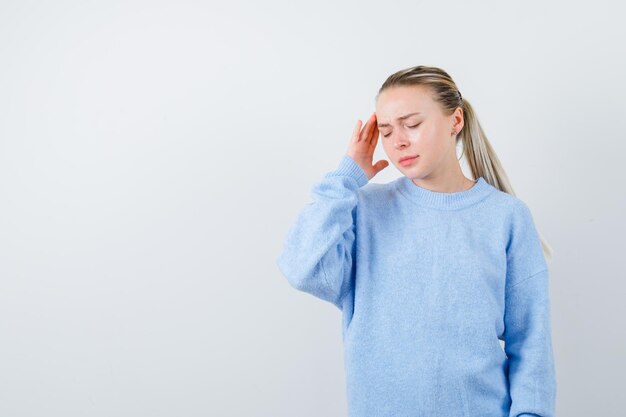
[[153, 155]]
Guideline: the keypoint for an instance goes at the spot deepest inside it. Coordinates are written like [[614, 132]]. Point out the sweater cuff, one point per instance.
[[348, 167]]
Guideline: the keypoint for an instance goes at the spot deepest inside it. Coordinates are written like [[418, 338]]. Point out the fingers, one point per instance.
[[369, 133], [367, 130], [380, 165], [355, 132], [375, 134]]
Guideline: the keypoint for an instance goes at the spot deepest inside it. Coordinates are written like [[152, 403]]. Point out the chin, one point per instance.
[[414, 173], [410, 170]]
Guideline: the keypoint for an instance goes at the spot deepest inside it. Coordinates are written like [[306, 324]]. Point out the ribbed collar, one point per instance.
[[444, 201]]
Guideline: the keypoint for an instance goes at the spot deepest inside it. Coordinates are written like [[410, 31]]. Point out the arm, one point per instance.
[[529, 349], [318, 251], [527, 335]]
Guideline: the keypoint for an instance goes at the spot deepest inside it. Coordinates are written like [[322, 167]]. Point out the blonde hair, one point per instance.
[[478, 152]]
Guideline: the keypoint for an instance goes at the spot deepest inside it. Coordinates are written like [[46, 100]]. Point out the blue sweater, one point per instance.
[[429, 284]]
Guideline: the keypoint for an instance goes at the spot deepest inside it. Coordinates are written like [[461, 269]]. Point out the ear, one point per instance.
[[458, 119]]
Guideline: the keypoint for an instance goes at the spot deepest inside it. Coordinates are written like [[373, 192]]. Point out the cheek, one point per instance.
[[386, 145], [430, 144], [425, 137]]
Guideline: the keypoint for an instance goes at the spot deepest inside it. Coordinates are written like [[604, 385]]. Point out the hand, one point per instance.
[[362, 145]]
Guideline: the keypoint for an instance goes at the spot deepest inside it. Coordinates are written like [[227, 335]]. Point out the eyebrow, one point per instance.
[[399, 118]]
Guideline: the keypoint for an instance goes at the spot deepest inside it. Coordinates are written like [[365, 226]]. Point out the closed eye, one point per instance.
[[410, 127]]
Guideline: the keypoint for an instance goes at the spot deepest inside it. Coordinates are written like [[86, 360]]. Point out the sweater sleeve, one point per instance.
[[527, 335], [319, 249]]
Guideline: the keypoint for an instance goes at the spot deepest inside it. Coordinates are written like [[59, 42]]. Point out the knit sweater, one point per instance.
[[444, 296]]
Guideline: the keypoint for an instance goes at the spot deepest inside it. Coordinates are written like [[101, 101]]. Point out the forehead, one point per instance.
[[398, 101]]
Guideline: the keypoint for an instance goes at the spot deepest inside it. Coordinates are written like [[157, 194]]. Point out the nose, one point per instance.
[[400, 141]]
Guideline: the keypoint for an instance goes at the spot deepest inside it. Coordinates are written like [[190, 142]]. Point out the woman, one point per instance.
[[432, 271]]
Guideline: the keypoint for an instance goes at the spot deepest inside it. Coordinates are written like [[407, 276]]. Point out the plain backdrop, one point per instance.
[[153, 155]]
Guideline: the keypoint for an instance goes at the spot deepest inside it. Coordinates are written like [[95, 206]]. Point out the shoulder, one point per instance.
[[373, 193], [519, 226], [516, 212], [507, 202], [524, 252], [510, 209]]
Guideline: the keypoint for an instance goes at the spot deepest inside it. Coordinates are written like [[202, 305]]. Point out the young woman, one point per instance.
[[442, 280]]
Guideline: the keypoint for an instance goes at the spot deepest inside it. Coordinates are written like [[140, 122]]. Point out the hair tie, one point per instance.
[[460, 96]]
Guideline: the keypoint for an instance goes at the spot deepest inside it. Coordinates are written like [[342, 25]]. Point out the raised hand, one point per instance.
[[362, 145]]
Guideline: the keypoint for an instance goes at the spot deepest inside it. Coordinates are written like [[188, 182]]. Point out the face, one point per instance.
[[427, 135]]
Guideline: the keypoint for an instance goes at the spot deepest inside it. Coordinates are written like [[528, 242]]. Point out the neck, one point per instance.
[[442, 200], [450, 184]]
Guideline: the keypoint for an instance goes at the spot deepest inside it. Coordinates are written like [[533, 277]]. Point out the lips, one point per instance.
[[404, 158]]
